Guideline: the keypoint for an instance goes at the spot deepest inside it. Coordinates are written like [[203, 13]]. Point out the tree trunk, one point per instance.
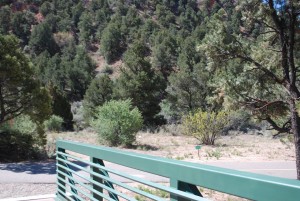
[[295, 120]]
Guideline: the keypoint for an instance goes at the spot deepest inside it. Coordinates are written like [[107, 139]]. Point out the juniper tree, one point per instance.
[[260, 70]]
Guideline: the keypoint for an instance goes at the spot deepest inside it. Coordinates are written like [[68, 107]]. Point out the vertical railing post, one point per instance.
[[185, 187], [61, 179], [174, 184], [105, 182], [97, 179], [71, 181]]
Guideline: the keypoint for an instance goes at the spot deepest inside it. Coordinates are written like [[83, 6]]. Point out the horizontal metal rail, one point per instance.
[[139, 180], [119, 184], [184, 176]]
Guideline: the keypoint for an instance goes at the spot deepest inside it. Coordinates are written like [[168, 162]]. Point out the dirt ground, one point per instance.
[[233, 147]]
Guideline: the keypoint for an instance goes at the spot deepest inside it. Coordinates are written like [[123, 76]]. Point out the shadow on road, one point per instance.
[[48, 167]]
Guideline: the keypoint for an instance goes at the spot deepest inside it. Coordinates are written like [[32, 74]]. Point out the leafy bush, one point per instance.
[[78, 116], [54, 123], [205, 126], [15, 146], [21, 139], [117, 122], [24, 125]]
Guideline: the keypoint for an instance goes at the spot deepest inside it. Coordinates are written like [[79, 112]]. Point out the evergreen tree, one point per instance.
[[140, 83], [131, 23], [261, 71], [112, 42], [102, 18], [20, 93], [76, 13], [41, 39], [53, 21], [188, 87], [164, 15], [165, 52], [187, 91], [99, 92], [46, 8], [61, 107], [86, 27], [5, 17], [79, 74], [56, 74], [21, 25]]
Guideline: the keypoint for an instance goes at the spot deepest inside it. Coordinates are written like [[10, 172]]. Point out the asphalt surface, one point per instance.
[[45, 172]]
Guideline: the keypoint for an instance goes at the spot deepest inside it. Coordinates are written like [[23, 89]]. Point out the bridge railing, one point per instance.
[[87, 172]]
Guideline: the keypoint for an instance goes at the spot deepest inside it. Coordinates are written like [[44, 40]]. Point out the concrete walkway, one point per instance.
[[48, 197]]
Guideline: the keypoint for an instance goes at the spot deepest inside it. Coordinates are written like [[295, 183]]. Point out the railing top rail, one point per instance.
[[243, 184]]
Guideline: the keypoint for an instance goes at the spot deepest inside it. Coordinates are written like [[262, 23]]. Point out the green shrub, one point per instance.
[[205, 126], [21, 139], [153, 191], [15, 146], [117, 122], [80, 122], [24, 125], [54, 123]]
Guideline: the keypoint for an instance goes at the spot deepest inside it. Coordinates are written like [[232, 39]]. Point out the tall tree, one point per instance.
[[20, 92], [165, 52], [262, 70], [21, 25], [164, 15], [138, 81], [99, 92], [112, 41], [61, 107], [5, 15], [41, 39], [80, 74], [187, 86], [86, 27]]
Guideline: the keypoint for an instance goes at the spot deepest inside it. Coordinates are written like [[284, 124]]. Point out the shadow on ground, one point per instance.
[[145, 147], [48, 167]]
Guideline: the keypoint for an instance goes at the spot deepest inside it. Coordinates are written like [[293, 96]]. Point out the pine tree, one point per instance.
[[41, 39], [20, 92], [261, 72], [99, 92], [140, 83], [5, 17]]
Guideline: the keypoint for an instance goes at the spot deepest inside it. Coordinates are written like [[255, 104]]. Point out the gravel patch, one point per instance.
[[16, 190]]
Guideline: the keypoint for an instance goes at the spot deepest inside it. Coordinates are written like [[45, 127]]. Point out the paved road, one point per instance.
[[44, 172], [285, 169]]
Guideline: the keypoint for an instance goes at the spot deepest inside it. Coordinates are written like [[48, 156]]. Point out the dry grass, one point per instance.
[[243, 147]]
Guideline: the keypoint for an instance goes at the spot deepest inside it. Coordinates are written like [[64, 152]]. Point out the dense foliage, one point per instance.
[[205, 126], [117, 122], [21, 141], [99, 92], [175, 56]]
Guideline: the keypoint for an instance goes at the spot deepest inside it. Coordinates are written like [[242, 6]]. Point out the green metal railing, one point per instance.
[[82, 175]]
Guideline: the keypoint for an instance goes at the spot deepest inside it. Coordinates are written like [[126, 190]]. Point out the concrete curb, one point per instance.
[[38, 197]]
